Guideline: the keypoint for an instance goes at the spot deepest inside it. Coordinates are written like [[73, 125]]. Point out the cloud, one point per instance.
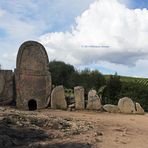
[[106, 32], [1, 13], [29, 19], [139, 70]]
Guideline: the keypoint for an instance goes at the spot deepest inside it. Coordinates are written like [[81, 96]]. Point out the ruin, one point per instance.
[[6, 87], [58, 98], [94, 102], [79, 97], [32, 77], [30, 86]]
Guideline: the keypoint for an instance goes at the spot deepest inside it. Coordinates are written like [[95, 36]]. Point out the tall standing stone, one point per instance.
[[94, 102], [79, 97], [58, 98], [6, 87], [32, 77]]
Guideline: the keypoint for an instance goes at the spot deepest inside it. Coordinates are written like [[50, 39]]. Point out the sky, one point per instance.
[[108, 35]]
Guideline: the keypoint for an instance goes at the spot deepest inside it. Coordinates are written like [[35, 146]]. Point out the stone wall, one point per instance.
[[6, 87]]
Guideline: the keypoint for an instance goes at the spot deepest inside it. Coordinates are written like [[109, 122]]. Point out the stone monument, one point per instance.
[[79, 97], [32, 77], [126, 105], [94, 102], [58, 98]]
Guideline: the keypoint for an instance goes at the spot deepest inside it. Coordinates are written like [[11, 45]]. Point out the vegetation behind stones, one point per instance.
[[116, 86]]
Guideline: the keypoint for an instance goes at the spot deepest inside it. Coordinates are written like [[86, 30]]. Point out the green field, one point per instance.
[[140, 81]]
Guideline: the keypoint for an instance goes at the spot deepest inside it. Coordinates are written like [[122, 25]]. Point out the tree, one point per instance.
[[113, 89], [90, 79], [69, 77], [101, 91], [97, 80], [61, 73], [138, 92]]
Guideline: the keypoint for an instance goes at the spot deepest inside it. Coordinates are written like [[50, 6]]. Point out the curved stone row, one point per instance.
[[125, 105], [58, 100]]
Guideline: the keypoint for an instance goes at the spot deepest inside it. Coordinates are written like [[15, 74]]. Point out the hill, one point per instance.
[[140, 81]]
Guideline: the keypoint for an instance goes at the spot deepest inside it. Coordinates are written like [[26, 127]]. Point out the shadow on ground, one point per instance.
[[63, 145], [12, 136], [16, 137]]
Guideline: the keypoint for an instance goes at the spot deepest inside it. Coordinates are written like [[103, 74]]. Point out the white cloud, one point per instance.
[[139, 70], [105, 23], [2, 13], [28, 19]]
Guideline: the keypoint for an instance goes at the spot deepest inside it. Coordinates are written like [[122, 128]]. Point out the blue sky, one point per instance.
[[62, 26], [134, 4]]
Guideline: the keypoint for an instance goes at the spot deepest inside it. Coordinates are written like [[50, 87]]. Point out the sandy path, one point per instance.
[[95, 129], [119, 130]]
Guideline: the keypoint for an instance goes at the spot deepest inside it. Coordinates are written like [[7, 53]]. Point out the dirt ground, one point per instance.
[[76, 129]]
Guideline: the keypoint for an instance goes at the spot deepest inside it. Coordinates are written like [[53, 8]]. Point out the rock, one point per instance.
[[71, 107], [139, 109], [98, 134], [58, 98], [111, 108], [79, 97], [2, 109], [126, 105], [32, 77], [94, 102]]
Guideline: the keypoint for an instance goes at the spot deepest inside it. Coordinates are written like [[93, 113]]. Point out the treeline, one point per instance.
[[110, 88], [69, 77]]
